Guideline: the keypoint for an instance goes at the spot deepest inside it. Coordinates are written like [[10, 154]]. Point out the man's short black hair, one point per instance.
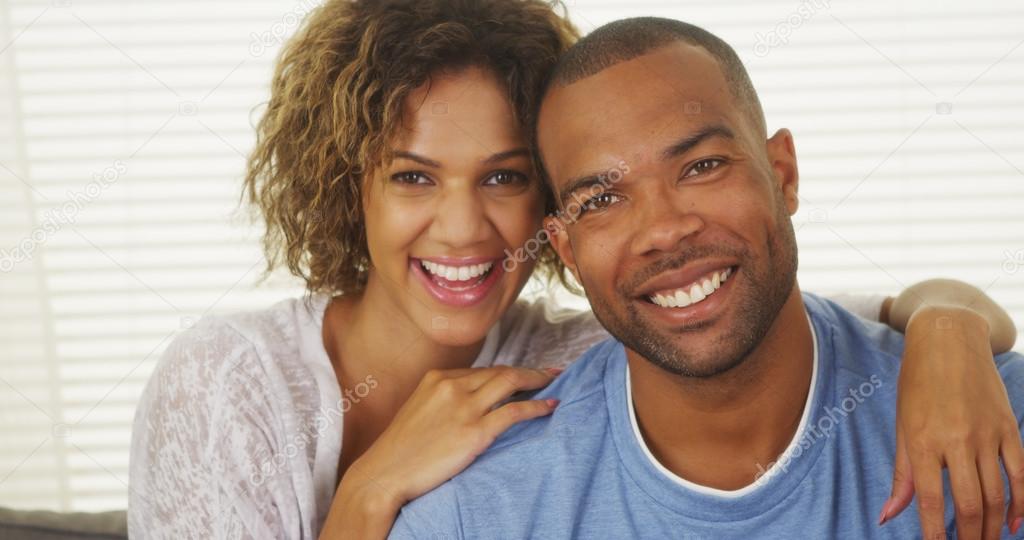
[[626, 39]]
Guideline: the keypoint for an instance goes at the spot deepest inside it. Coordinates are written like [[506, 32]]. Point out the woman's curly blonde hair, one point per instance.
[[336, 100]]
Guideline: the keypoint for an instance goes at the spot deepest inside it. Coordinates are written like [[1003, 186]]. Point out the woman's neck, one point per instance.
[[369, 335]]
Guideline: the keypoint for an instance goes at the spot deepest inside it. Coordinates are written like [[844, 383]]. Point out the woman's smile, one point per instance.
[[455, 281]]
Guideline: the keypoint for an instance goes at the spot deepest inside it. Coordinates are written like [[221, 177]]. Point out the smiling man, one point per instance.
[[729, 405]]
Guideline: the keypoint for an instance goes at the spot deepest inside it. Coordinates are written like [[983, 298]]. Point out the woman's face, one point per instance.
[[458, 199]]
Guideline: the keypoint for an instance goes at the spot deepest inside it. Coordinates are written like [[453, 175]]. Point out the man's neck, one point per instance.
[[723, 431]]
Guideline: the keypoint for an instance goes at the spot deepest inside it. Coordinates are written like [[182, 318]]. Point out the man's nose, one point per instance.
[[664, 222]]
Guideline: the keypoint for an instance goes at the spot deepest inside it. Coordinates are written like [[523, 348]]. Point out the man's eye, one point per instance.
[[410, 178], [703, 166], [599, 202], [506, 178]]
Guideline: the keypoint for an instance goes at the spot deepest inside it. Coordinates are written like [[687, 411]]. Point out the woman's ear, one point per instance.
[[782, 157], [559, 236]]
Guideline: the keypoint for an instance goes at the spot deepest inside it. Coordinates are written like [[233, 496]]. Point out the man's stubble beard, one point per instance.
[[761, 293]]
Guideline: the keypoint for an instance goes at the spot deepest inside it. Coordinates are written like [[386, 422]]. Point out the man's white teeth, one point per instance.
[[697, 294], [700, 290], [457, 273]]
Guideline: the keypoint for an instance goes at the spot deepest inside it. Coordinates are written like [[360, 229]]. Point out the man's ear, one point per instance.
[[560, 242], [782, 157]]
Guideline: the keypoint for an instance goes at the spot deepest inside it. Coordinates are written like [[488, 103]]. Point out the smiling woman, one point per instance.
[[459, 192], [393, 176]]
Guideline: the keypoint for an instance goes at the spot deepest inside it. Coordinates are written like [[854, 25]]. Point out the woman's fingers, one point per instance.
[[1013, 462], [991, 477], [499, 420], [930, 498], [902, 483], [504, 382], [967, 497]]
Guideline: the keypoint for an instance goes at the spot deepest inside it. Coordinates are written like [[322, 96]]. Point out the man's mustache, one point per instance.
[[679, 259]]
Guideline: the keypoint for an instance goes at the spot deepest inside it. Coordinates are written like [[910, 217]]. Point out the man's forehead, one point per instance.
[[631, 105], [672, 71]]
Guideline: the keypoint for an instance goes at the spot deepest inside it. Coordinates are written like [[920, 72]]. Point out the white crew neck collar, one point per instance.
[[753, 486]]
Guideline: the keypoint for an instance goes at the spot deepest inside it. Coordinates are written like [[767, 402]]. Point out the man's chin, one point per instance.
[[700, 353]]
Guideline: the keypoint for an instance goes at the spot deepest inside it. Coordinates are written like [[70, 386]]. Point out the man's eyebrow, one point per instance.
[[687, 143]]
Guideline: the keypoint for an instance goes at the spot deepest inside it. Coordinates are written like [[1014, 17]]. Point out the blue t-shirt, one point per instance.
[[582, 473]]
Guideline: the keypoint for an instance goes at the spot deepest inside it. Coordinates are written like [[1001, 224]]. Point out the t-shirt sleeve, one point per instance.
[[1011, 369], [203, 432], [434, 516], [865, 306]]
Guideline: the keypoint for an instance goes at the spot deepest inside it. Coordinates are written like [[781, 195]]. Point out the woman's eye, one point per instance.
[[410, 178], [703, 166], [599, 202], [506, 178]]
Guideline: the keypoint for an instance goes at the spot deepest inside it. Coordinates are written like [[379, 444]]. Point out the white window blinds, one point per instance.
[[124, 126]]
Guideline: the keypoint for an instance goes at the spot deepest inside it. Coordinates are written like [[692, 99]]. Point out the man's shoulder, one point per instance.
[[867, 345], [1011, 369], [524, 458], [580, 392], [857, 342]]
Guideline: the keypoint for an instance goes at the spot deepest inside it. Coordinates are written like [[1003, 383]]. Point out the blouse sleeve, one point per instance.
[[203, 446]]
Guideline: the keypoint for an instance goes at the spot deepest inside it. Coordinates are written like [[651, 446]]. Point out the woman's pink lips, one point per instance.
[[458, 298]]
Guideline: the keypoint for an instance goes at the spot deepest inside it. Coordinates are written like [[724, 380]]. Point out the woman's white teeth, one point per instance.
[[700, 290], [457, 273]]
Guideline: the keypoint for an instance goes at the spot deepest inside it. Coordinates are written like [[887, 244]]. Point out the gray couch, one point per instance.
[[45, 525]]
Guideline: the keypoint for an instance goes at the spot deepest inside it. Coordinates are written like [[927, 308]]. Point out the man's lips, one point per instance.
[[688, 302], [694, 293], [684, 277]]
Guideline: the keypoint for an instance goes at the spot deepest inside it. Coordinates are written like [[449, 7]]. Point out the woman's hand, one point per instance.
[[953, 412], [448, 421]]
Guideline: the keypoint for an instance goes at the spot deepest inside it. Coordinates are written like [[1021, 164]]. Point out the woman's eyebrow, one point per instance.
[[508, 154], [417, 158], [494, 158]]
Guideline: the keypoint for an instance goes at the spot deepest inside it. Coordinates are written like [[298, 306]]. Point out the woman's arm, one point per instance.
[[896, 312], [953, 410], [202, 461]]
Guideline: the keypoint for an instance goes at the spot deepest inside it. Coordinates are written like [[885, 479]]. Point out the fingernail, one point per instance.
[[553, 371], [1015, 526], [552, 403], [884, 516]]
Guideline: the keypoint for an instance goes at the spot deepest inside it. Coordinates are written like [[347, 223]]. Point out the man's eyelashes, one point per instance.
[[703, 166]]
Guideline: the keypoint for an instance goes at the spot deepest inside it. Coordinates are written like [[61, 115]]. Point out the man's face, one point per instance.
[[688, 257]]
